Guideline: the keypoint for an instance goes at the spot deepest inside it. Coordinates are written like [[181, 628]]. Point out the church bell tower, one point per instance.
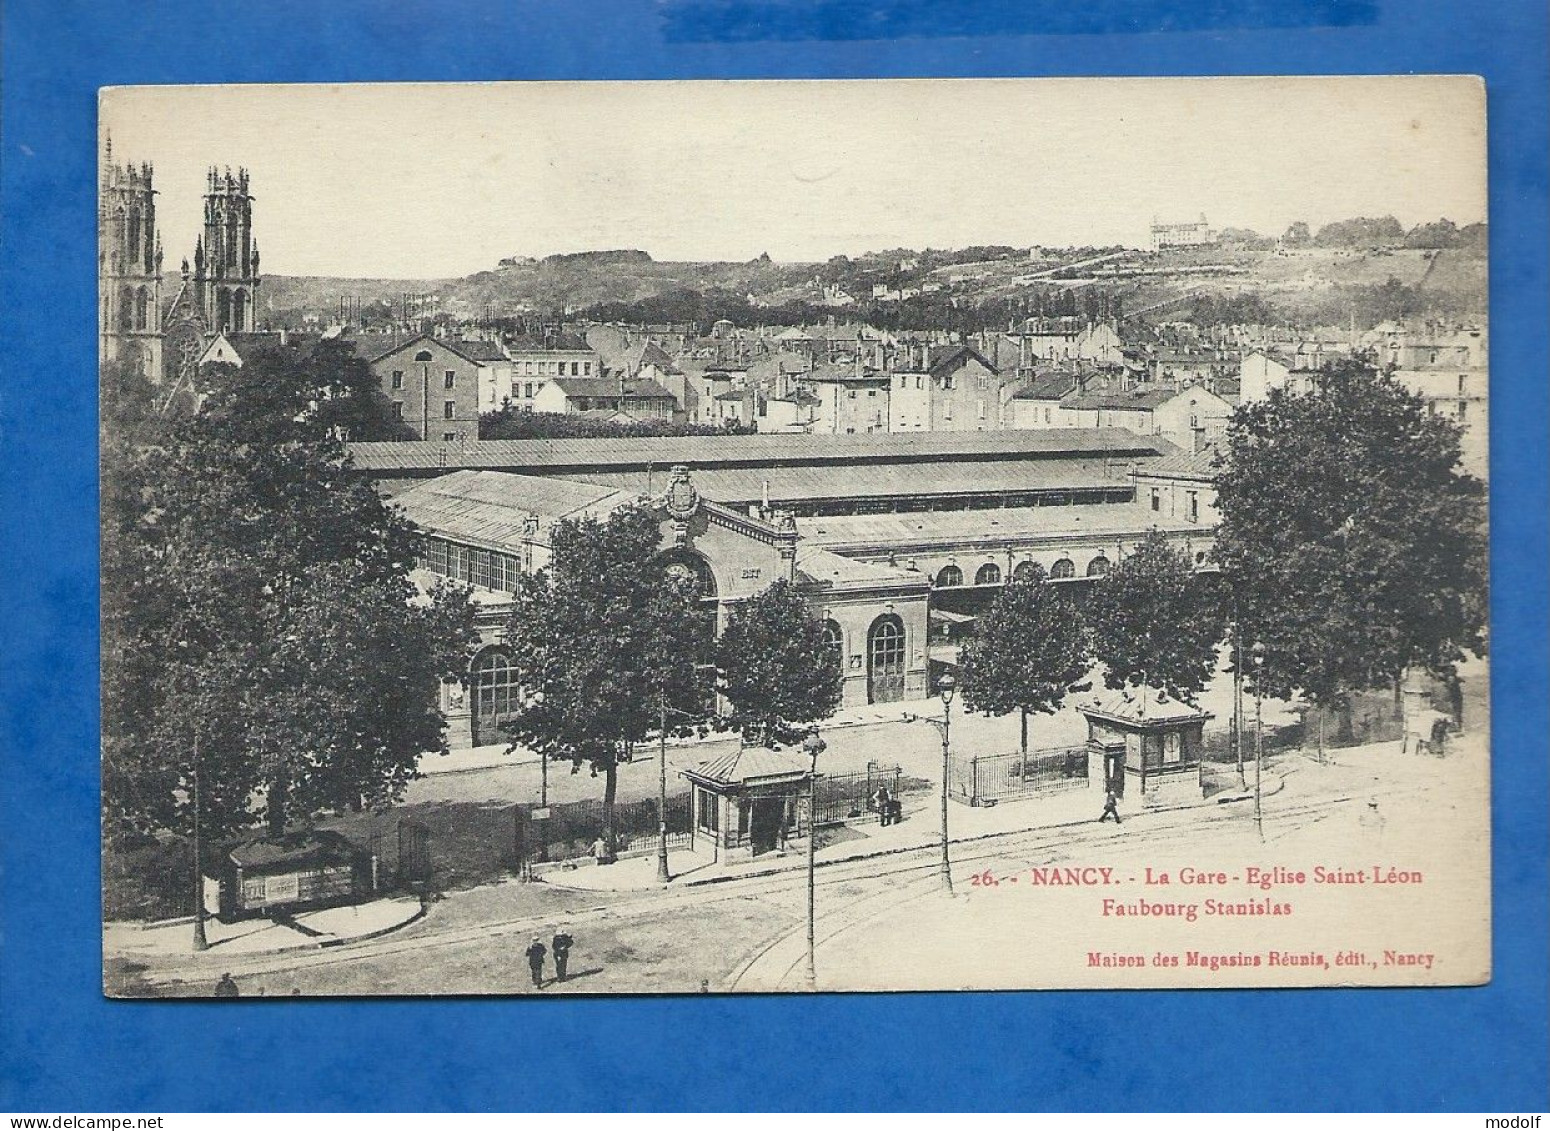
[[128, 265], [226, 256]]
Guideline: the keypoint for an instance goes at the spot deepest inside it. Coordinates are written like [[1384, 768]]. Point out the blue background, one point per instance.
[[66, 1048]]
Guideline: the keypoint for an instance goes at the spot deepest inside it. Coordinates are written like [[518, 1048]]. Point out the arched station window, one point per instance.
[[834, 641], [989, 574], [886, 660], [687, 564], [1027, 571], [948, 577], [1098, 566], [495, 685], [1064, 568]]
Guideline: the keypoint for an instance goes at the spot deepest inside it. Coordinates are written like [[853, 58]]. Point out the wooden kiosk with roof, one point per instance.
[[748, 802], [1147, 741]]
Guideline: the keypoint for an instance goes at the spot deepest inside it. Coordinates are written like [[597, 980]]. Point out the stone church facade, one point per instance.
[[219, 293]]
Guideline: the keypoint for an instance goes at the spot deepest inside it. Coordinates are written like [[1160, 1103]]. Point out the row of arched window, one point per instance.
[[950, 576]]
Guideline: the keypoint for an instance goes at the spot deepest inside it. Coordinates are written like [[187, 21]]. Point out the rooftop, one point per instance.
[[1139, 399], [490, 507], [798, 484], [1046, 387], [760, 451], [817, 566], [955, 357], [752, 765], [858, 533], [634, 388], [1199, 465]]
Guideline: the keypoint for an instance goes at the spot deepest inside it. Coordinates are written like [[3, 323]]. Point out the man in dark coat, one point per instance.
[[535, 962], [1110, 807], [560, 945], [226, 987]]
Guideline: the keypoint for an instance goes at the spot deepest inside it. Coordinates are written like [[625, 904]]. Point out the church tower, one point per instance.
[[128, 265], [226, 256]]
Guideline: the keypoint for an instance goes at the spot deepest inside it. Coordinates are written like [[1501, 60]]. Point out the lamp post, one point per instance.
[[1237, 698], [945, 687], [662, 873], [1259, 732], [201, 940], [814, 745], [537, 700]]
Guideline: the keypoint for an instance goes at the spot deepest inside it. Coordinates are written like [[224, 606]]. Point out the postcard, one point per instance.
[[753, 537]]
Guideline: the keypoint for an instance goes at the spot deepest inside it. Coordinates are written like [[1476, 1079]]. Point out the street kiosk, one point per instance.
[[1144, 743]]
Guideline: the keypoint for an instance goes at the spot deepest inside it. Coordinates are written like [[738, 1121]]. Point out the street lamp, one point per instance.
[[201, 940], [537, 700], [814, 746], [663, 710], [1259, 732], [945, 687]]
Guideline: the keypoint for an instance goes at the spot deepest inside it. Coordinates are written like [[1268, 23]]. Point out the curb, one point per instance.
[[291, 948]]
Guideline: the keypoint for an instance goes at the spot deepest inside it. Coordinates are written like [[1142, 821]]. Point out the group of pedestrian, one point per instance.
[[559, 946]]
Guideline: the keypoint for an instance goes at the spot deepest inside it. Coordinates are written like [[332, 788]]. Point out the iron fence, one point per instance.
[[853, 798], [570, 829], [996, 777]]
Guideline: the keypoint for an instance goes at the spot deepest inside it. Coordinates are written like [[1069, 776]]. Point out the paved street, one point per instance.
[[749, 934]]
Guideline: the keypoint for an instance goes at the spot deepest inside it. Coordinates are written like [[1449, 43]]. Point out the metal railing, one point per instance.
[[997, 777]]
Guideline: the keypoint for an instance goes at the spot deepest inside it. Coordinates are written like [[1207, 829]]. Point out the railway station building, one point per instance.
[[897, 542]]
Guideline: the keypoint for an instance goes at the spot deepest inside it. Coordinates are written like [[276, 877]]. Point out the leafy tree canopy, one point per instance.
[[604, 640], [1028, 650], [775, 667], [1155, 622], [1354, 544], [256, 599]]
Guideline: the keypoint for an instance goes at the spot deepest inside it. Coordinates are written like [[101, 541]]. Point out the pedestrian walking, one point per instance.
[[535, 962], [560, 946], [600, 851], [884, 808], [1110, 807], [227, 987]]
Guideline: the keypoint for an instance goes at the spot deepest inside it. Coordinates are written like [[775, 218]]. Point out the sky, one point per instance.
[[425, 181]]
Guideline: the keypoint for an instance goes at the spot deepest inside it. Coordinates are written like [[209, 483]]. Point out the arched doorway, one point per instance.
[[690, 566], [496, 693], [886, 659]]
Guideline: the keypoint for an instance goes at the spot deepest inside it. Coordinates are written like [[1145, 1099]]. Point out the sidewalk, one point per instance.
[[332, 926], [503, 754], [920, 829]]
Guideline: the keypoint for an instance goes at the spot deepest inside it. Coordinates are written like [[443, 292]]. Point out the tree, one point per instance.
[[1353, 543], [257, 605], [1155, 622], [775, 667], [603, 640], [1297, 234], [1029, 649]]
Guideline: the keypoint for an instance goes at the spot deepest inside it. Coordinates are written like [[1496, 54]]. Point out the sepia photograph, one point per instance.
[[794, 536]]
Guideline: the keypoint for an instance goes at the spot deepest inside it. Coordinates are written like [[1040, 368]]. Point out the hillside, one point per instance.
[[1301, 284]]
